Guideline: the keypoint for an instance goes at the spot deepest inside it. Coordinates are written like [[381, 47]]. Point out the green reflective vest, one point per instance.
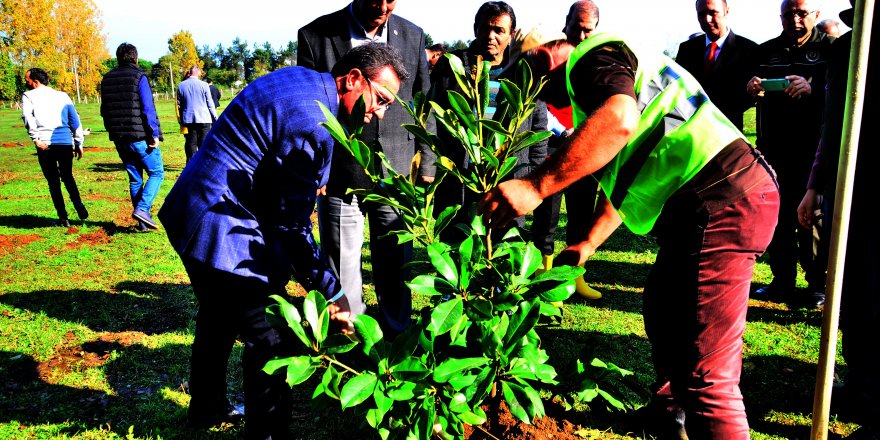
[[680, 130]]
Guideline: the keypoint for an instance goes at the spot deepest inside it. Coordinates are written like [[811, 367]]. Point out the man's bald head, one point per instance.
[[581, 21]]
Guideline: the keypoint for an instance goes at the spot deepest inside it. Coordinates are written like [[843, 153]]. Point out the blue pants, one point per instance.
[[137, 158]]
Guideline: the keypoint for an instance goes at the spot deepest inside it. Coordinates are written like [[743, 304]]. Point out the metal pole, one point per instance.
[[840, 224], [170, 78]]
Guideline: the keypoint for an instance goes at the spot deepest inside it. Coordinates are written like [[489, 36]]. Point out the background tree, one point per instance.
[[182, 54], [287, 56], [64, 37], [8, 79], [82, 46]]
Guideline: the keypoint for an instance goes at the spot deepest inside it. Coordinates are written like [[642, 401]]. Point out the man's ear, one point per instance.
[[354, 75]]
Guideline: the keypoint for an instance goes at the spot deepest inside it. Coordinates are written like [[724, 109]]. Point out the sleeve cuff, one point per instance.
[[337, 296]]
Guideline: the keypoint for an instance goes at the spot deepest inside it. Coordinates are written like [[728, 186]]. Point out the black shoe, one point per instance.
[[659, 423], [817, 299], [63, 223], [206, 419], [81, 211], [772, 291], [144, 217]]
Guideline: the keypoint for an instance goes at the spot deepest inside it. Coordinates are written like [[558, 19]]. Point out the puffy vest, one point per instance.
[[680, 131], [121, 108]]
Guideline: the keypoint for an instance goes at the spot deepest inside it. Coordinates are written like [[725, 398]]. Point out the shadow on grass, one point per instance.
[[145, 307], [137, 377], [28, 221]]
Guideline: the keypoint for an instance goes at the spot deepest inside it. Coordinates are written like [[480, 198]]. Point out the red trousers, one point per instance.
[[695, 303]]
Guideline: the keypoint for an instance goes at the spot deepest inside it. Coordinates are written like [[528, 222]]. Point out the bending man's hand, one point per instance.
[[575, 255], [340, 316], [508, 201]]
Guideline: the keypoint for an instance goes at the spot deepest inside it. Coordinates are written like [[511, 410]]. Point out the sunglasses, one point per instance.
[[381, 100], [789, 15]]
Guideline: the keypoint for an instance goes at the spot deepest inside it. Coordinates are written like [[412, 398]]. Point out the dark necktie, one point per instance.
[[710, 57]]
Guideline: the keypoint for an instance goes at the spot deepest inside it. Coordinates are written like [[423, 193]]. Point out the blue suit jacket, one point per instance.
[[242, 205]]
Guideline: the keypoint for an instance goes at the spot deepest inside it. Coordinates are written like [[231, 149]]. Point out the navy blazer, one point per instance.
[[325, 40], [726, 82], [242, 204]]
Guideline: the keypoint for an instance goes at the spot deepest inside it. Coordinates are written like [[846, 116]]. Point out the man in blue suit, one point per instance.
[[239, 218]]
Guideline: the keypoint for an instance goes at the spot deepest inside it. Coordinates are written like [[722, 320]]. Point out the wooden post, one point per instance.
[[849, 147]]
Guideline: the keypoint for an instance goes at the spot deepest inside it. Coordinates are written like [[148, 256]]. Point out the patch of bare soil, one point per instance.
[[12, 144], [9, 243], [70, 358], [501, 424], [99, 149], [91, 239]]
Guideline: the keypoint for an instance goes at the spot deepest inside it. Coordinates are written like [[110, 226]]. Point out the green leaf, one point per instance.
[[275, 364], [441, 261], [332, 125], [588, 390], [445, 316], [548, 309], [425, 419], [459, 404], [383, 402], [291, 315], [463, 110], [403, 391], [451, 367], [479, 309], [368, 330], [475, 418], [469, 252], [358, 389], [459, 382], [612, 400], [445, 217], [300, 369], [517, 409], [315, 307], [410, 369], [531, 261], [338, 343], [331, 381], [560, 273], [550, 293], [431, 285], [521, 322]]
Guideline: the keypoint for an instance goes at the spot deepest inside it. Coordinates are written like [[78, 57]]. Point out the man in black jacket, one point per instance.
[[130, 119], [724, 70], [341, 216], [789, 121]]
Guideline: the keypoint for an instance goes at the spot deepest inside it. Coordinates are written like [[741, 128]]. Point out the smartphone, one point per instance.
[[775, 84]]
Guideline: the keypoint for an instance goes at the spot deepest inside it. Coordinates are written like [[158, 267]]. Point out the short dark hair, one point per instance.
[[127, 54], [39, 75], [371, 58], [495, 9], [438, 47]]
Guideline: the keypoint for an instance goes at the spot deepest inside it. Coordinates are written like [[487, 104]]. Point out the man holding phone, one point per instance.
[[789, 84]]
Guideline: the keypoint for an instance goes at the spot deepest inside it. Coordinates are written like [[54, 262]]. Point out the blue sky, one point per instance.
[[659, 24]]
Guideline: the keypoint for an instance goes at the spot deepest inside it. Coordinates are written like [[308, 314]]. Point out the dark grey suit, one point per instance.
[[341, 217]]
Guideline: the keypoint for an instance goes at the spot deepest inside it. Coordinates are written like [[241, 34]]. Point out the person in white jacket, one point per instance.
[[54, 126]]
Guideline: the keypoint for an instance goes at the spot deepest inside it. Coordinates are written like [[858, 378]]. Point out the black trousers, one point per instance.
[[231, 306], [195, 135], [57, 165]]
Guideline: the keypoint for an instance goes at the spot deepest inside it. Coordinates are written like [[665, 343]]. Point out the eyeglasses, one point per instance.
[[789, 15], [381, 100]]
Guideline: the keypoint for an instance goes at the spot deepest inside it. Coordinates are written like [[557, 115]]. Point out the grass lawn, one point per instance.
[[96, 321]]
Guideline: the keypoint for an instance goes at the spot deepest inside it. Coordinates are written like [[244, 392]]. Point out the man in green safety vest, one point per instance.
[[670, 164]]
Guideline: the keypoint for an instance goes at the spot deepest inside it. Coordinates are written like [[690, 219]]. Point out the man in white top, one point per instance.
[[197, 111], [54, 126]]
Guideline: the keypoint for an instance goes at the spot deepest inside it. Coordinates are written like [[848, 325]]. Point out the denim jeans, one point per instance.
[[137, 158]]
